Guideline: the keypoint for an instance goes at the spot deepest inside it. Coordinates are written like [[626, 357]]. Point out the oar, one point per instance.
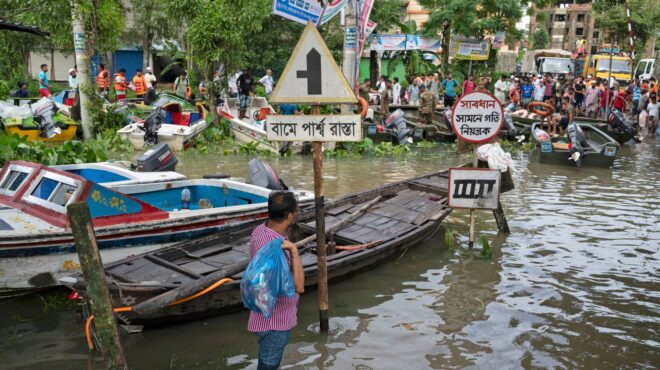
[[160, 301]]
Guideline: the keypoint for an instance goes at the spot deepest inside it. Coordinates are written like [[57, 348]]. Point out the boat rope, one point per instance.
[[88, 323], [359, 246]]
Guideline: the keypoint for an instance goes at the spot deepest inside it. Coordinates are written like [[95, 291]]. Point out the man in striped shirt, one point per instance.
[[274, 332]]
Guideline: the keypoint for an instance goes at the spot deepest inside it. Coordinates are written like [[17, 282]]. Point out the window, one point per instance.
[[560, 17], [13, 180], [45, 188], [579, 31], [62, 194], [580, 18], [595, 35]]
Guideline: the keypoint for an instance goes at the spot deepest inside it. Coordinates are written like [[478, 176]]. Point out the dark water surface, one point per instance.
[[575, 285]]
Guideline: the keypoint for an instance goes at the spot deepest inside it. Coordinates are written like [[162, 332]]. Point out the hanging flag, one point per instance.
[[332, 9]]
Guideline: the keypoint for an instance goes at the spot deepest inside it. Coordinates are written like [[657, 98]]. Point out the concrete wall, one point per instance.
[[58, 64]]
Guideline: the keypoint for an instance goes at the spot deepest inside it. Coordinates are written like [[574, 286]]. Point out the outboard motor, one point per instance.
[[620, 124], [397, 123], [511, 129], [262, 174], [448, 120], [151, 126], [42, 113], [150, 96], [578, 143], [159, 158]]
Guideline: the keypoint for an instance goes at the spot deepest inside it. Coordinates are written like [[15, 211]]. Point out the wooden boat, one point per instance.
[[36, 244], [179, 130], [253, 128], [401, 216], [436, 132], [524, 124], [600, 150]]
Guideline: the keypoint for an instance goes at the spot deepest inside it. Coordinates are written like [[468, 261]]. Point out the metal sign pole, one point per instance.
[[321, 253]]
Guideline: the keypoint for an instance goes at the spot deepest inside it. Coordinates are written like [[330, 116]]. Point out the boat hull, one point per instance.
[[176, 137], [32, 133]]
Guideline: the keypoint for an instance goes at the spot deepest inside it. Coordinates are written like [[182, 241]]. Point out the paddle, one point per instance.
[[160, 301]]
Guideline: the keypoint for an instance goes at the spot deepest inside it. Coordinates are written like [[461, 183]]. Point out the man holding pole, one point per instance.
[[274, 332]]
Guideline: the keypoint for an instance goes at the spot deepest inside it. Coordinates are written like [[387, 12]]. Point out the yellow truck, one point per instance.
[[598, 66]]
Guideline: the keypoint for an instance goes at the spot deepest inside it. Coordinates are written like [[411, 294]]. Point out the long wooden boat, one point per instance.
[[403, 215], [600, 150], [36, 244]]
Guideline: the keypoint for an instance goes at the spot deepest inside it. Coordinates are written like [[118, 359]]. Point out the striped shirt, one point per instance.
[[285, 314]]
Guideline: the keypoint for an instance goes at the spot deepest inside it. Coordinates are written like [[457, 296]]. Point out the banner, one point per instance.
[[298, 10], [332, 9], [404, 42], [498, 40], [472, 50]]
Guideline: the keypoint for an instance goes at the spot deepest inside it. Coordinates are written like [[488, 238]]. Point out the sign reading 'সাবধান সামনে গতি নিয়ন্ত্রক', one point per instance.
[[477, 117]]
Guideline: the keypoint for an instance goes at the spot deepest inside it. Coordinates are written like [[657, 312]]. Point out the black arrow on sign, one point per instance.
[[313, 73]]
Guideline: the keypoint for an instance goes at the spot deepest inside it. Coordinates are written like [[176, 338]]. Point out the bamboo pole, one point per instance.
[[99, 298], [321, 253]]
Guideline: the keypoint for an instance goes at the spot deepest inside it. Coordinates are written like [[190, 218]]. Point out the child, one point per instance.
[[654, 113]]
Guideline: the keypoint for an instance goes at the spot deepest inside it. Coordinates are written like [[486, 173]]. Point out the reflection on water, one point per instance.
[[575, 284]]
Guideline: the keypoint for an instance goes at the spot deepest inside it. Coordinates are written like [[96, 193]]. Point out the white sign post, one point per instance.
[[477, 117], [474, 188], [312, 76]]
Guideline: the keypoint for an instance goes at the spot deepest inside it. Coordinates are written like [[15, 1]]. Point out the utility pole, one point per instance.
[[351, 35], [82, 62], [609, 85]]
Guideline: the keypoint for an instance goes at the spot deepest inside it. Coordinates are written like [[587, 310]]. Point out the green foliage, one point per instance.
[[111, 141], [644, 17], [486, 251], [4, 90], [367, 147], [450, 239], [540, 39], [13, 147], [515, 147], [104, 117]]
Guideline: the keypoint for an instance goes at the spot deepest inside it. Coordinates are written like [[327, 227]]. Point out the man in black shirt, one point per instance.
[[245, 86]]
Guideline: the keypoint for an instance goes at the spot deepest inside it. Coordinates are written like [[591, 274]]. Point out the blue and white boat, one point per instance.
[[36, 244], [117, 173]]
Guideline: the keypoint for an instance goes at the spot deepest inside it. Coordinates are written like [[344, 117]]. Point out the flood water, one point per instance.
[[575, 285]]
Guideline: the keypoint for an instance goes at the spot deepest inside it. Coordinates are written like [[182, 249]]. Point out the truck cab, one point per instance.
[[598, 65], [647, 68]]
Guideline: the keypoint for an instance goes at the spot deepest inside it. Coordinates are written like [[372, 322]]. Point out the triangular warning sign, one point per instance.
[[311, 74]]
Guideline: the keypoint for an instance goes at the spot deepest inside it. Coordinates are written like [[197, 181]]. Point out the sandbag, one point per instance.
[[267, 277]]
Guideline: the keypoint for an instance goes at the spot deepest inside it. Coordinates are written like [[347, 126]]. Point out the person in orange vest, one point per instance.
[[103, 80], [140, 84], [120, 84]]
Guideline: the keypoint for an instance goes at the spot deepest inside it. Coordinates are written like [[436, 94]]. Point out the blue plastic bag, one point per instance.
[[267, 277]]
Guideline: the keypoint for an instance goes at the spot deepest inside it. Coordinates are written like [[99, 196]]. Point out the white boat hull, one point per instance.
[[177, 137]]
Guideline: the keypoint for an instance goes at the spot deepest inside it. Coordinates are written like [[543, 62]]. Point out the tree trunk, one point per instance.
[[446, 42], [373, 67], [146, 51]]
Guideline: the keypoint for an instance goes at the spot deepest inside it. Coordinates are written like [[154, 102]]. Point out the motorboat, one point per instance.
[[37, 246]]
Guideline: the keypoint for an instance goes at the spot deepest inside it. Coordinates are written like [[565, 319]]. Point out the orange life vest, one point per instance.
[[140, 85], [102, 81], [120, 86]]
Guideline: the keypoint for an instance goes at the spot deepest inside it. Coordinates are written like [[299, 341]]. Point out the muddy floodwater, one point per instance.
[[575, 285]]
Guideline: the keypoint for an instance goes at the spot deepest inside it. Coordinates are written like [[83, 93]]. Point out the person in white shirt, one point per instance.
[[73, 79], [501, 89], [654, 114], [233, 86], [267, 82], [396, 92], [538, 89], [150, 79]]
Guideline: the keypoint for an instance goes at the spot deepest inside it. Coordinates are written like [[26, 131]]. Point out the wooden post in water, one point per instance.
[[321, 253], [475, 164], [99, 298]]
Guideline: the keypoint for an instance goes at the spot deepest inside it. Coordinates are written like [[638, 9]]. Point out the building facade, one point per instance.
[[568, 22]]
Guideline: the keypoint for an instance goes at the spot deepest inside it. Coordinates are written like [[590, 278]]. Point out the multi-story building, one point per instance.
[[568, 21]]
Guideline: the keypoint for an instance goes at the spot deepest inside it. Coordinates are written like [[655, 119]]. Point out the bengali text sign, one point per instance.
[[346, 127], [477, 117]]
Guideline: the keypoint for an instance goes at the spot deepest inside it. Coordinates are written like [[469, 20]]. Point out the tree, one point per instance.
[[413, 60], [540, 39], [151, 22], [386, 14], [473, 18], [644, 17]]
